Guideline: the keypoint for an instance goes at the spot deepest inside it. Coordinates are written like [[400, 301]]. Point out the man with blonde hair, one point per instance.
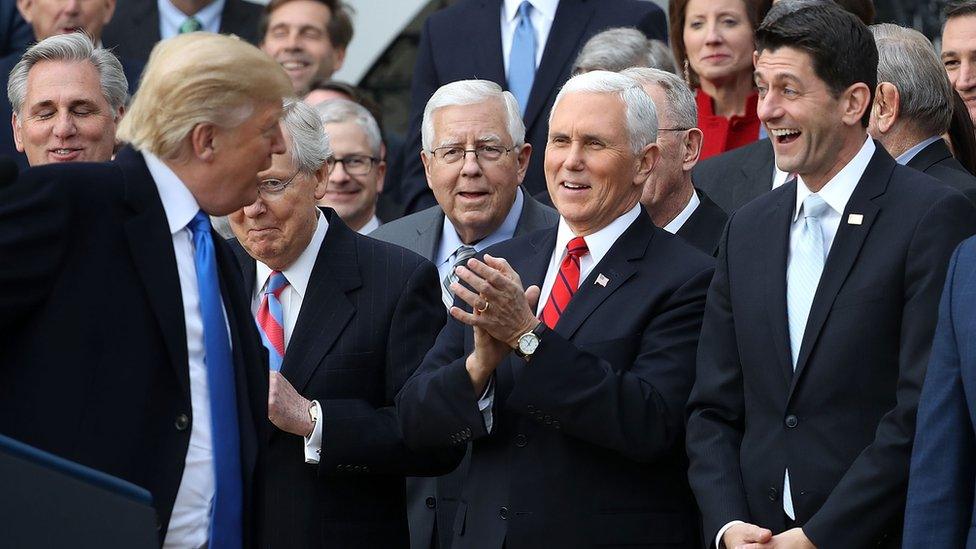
[[157, 375]]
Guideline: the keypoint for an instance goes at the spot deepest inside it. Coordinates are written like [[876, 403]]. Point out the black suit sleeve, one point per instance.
[[638, 411], [353, 430], [33, 244], [717, 410], [871, 493]]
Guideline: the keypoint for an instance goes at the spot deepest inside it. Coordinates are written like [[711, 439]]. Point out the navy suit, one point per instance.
[[843, 420], [15, 33], [464, 41], [585, 448], [93, 347], [942, 485], [370, 312]]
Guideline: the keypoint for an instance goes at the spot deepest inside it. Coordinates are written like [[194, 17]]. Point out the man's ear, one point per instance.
[[887, 106], [648, 158], [426, 159], [523, 157], [338, 57], [18, 139], [109, 10], [857, 100], [692, 149], [202, 138], [321, 181], [24, 7]]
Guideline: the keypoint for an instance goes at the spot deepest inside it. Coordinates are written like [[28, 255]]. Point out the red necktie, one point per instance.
[[567, 281]]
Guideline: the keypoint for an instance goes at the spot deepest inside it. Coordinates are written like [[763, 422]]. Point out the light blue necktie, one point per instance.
[[805, 266], [521, 60], [227, 507]]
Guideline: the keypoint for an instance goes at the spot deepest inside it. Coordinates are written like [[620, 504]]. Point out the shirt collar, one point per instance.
[[907, 156], [450, 241], [209, 17], [300, 271], [370, 226], [178, 202], [839, 189], [600, 242], [679, 220], [547, 8]]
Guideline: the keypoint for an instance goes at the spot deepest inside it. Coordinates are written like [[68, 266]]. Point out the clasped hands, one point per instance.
[[501, 312], [750, 536]]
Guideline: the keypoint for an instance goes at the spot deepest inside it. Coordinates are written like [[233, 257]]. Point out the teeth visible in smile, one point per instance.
[[63, 151], [289, 65], [574, 186], [784, 132]]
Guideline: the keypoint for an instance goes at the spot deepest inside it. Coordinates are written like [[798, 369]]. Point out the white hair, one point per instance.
[[71, 48], [908, 60], [641, 115], [337, 111], [468, 92], [680, 100], [309, 142]]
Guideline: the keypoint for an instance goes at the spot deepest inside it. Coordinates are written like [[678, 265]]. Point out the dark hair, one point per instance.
[[355, 94], [959, 8], [842, 47], [339, 27], [755, 10], [962, 135], [863, 9]]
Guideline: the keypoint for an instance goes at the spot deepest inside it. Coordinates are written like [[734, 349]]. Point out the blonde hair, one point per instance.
[[199, 78]]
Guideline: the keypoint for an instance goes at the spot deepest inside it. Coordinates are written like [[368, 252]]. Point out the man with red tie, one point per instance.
[[575, 420]]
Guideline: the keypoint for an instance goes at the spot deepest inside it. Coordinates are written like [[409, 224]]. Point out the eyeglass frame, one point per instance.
[[284, 185], [332, 161], [505, 150]]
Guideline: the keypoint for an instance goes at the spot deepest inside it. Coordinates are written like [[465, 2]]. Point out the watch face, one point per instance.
[[528, 343]]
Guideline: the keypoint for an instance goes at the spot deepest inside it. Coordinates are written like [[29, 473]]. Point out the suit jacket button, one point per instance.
[[792, 421], [530, 408], [773, 494], [430, 502], [503, 513], [182, 422], [520, 440]]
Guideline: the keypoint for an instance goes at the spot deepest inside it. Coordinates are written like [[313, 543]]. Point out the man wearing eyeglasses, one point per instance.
[[356, 179], [475, 159], [345, 319]]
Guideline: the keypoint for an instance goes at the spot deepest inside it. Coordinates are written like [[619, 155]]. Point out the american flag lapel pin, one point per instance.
[[855, 219], [602, 280]]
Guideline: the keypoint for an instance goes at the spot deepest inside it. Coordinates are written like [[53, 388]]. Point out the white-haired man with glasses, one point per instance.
[[475, 157], [346, 319]]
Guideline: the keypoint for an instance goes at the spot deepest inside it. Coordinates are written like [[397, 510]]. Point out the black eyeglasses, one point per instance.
[[355, 164], [452, 153]]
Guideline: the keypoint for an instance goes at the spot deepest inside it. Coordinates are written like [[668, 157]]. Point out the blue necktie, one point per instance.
[[803, 272], [227, 507], [521, 60]]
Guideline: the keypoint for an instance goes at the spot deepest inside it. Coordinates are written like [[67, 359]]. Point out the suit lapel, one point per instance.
[[429, 233], [151, 246], [615, 266], [485, 24], [776, 245], [571, 19], [844, 251], [326, 309], [756, 174]]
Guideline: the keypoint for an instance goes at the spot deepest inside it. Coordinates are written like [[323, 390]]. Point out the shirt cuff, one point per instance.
[[313, 442], [718, 538], [486, 401]]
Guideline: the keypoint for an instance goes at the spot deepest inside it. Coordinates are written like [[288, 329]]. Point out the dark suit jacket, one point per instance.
[[704, 228], [843, 422], [939, 512], [585, 448], [93, 352], [736, 177], [15, 33], [936, 161], [448, 53], [370, 313], [132, 70], [134, 28], [431, 502]]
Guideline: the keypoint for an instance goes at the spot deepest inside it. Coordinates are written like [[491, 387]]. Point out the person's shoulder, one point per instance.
[[383, 251], [912, 189], [453, 15], [83, 178]]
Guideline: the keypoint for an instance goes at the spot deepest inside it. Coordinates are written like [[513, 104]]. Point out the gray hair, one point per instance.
[[74, 47], [640, 111], [337, 111], [908, 60], [680, 99], [468, 92], [618, 48], [309, 142]]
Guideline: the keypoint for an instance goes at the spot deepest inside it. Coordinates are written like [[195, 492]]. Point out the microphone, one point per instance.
[[8, 171]]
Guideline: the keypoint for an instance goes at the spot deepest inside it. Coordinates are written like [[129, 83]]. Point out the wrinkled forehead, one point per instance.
[[63, 82], [485, 121]]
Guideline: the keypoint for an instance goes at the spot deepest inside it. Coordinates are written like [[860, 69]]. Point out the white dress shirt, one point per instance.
[[675, 224], [189, 524], [836, 193], [298, 274], [370, 226], [779, 176], [907, 156], [542, 14], [171, 18]]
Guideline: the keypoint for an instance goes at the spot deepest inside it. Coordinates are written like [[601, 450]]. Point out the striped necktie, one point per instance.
[[806, 264], [567, 281], [271, 320], [461, 256]]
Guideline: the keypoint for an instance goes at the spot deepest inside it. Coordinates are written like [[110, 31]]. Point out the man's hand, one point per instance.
[[500, 305], [488, 353], [790, 539], [744, 535], [287, 409]]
